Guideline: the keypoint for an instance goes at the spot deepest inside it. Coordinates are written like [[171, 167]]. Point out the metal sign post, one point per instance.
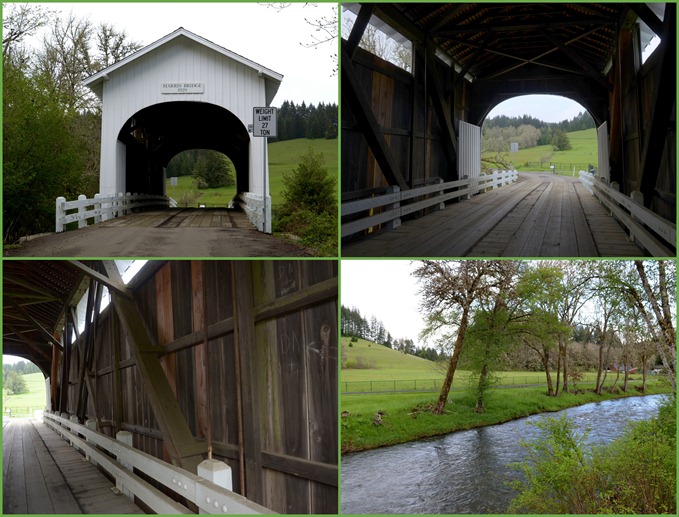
[[265, 125]]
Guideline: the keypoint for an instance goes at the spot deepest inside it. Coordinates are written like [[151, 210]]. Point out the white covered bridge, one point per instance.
[[183, 92]]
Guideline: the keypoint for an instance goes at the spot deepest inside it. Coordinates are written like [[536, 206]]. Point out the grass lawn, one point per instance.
[[584, 152], [25, 403], [283, 157], [407, 416]]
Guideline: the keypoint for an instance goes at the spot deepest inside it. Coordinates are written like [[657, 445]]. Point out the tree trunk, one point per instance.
[[564, 361], [624, 384], [452, 365], [597, 388], [545, 360], [481, 389], [558, 370], [617, 376], [643, 374]]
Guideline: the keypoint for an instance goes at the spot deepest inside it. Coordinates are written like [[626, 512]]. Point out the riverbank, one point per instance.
[[407, 417]]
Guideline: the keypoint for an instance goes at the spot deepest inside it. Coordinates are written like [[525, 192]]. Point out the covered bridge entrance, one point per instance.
[[153, 375], [183, 92], [404, 128]]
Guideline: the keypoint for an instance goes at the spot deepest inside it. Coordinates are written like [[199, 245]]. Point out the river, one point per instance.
[[467, 471]]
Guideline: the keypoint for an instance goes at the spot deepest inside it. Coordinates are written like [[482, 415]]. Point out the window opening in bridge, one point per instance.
[[649, 41], [201, 178], [23, 388], [380, 39], [553, 133]]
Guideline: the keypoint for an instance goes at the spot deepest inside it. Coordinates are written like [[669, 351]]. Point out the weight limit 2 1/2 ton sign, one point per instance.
[[265, 122]]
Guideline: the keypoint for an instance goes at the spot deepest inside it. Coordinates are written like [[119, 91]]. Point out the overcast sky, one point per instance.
[[384, 289], [270, 37]]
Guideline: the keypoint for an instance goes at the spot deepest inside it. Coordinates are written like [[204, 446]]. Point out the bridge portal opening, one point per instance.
[[154, 135], [201, 178], [540, 133]]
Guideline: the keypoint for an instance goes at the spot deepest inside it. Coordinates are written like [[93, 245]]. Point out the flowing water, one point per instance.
[[467, 471]]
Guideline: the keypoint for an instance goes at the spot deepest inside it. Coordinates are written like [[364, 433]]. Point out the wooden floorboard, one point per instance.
[[184, 218], [43, 474], [541, 215]]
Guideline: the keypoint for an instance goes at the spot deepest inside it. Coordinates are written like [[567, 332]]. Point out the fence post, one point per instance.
[[82, 222], [59, 226], [220, 474], [97, 206], [92, 425], [394, 223], [126, 438], [442, 205]]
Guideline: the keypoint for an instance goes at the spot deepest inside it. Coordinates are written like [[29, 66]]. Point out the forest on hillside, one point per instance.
[[498, 132]]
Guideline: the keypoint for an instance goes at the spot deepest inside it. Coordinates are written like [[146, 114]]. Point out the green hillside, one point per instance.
[[25, 403], [584, 153], [283, 157], [385, 363]]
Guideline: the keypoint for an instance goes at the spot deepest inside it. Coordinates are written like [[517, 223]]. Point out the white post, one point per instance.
[[59, 227], [92, 425], [220, 474], [394, 223], [119, 201], [74, 419], [82, 222], [97, 206], [126, 438]]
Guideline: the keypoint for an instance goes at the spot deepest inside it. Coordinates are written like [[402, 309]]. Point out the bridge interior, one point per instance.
[[235, 360], [154, 135], [401, 127]]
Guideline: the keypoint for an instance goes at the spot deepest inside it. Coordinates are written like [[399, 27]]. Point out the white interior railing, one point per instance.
[[651, 232], [391, 201], [119, 460]]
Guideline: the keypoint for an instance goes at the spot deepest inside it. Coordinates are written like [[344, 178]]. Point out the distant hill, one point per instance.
[[385, 363]]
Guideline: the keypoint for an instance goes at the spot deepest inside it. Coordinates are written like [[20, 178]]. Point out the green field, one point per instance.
[[25, 403], [283, 157], [584, 152], [407, 415]]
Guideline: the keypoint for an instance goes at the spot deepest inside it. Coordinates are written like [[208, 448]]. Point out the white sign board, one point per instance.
[[175, 88], [265, 122], [173, 181], [514, 147]]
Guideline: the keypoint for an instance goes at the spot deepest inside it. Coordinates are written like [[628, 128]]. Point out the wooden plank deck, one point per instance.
[[541, 215], [43, 474], [185, 218]]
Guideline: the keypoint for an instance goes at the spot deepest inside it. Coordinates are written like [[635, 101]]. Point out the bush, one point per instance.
[[212, 170], [634, 474], [15, 384], [309, 210]]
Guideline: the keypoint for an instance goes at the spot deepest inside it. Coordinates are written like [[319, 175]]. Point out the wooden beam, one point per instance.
[[362, 21], [576, 58], [352, 92], [215, 330], [183, 448], [661, 108], [33, 346], [472, 59], [65, 365], [48, 337], [312, 295], [306, 469], [117, 286], [648, 17], [511, 27], [442, 111]]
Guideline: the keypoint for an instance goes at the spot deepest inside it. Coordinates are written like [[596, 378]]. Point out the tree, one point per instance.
[[560, 141], [15, 383], [309, 186], [212, 170], [449, 291]]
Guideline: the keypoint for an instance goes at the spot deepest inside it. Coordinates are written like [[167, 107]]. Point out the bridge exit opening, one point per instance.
[[540, 133], [154, 135]]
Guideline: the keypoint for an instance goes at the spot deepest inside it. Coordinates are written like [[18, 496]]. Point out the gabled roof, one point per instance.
[[273, 79]]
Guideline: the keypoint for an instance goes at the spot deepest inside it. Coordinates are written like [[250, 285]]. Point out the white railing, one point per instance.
[[638, 219], [391, 215], [120, 460], [100, 208]]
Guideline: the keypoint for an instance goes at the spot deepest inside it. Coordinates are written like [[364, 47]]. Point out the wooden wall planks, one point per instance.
[[287, 367]]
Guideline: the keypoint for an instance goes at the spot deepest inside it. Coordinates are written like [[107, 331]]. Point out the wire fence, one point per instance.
[[21, 411], [435, 384]]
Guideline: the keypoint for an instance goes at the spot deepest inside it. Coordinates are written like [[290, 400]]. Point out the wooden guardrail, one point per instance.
[[100, 208], [120, 460], [651, 232], [391, 201]]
